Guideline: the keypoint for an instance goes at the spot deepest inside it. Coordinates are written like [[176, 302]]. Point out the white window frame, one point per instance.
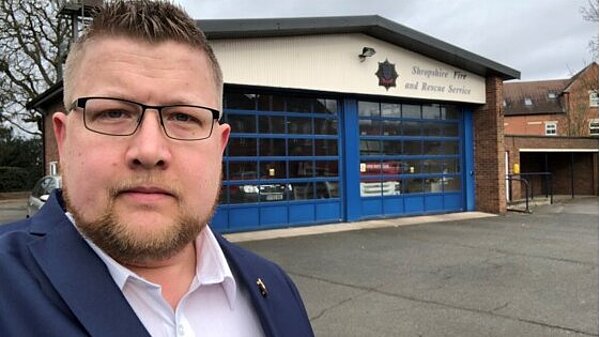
[[593, 127], [551, 128], [593, 98]]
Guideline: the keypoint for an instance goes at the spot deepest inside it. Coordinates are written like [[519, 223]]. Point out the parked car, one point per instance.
[[41, 192]]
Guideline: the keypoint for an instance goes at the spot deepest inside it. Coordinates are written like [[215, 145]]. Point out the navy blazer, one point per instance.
[[53, 284]]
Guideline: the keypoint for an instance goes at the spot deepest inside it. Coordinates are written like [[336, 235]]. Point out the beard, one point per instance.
[[129, 243]]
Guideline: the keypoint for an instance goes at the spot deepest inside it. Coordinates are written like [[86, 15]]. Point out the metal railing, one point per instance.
[[526, 179], [511, 178]]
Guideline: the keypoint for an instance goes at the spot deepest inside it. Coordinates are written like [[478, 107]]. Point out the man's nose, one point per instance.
[[149, 145]]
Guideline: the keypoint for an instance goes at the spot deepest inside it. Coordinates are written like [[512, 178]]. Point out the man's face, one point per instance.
[[143, 196]]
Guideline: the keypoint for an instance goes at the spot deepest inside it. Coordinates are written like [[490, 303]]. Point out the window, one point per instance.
[[528, 101], [551, 95], [594, 127], [550, 128], [593, 98]]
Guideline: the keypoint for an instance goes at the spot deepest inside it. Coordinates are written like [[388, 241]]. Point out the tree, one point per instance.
[[20, 161], [590, 13], [33, 40]]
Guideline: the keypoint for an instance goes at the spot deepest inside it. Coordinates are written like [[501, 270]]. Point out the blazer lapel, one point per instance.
[[79, 276], [242, 268]]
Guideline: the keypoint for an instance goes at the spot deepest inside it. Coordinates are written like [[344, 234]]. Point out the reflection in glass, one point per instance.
[[272, 170], [239, 101], [411, 167], [327, 189], [245, 170], [299, 104], [433, 185], [300, 147], [433, 166], [326, 168], [411, 128], [452, 166], [242, 123], [370, 187], [390, 110], [413, 185], [391, 128], [299, 125], [368, 127], [450, 147], [370, 168], [450, 130], [411, 111], [391, 167], [412, 148], [273, 192], [451, 184], [368, 109], [272, 147], [243, 194], [450, 112], [325, 126], [326, 106], [271, 124], [301, 169], [370, 147], [242, 147], [392, 147], [433, 147], [432, 129], [302, 191], [326, 147], [431, 111]]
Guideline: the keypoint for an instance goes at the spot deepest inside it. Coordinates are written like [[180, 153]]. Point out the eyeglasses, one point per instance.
[[120, 117]]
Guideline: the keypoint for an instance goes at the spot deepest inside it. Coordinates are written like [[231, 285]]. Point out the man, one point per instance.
[[124, 249]]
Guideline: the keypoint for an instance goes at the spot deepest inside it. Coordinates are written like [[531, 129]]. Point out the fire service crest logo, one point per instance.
[[387, 74]]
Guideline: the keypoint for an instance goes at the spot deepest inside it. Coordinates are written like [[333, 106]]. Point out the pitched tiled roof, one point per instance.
[[538, 93]]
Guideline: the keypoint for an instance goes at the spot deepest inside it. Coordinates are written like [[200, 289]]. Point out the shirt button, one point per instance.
[[180, 330]]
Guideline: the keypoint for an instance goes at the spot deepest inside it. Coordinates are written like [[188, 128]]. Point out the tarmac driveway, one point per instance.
[[514, 275]]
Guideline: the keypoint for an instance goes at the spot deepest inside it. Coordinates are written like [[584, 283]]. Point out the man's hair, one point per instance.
[[143, 20]]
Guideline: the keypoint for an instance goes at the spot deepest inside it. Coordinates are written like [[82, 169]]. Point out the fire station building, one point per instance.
[[338, 119]]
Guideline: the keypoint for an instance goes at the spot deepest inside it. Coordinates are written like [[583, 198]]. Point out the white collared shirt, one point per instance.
[[214, 305]]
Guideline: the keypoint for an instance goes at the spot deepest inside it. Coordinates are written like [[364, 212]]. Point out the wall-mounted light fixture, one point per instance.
[[366, 52]]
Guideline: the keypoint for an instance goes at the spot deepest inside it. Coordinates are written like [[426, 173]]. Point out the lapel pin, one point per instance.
[[262, 287]]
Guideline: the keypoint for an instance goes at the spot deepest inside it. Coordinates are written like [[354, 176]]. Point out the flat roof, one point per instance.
[[372, 25]]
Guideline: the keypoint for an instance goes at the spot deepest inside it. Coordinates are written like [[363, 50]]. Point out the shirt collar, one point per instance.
[[211, 265]]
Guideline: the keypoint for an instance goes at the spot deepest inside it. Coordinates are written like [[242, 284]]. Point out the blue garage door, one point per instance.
[[282, 165], [410, 158]]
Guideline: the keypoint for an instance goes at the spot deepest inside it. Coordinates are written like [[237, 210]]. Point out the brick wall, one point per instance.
[[557, 162], [488, 138]]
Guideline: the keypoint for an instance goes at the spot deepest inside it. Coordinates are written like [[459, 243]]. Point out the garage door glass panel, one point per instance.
[[271, 124], [272, 147], [300, 147], [273, 170], [242, 147]]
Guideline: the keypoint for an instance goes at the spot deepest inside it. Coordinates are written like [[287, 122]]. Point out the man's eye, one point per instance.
[[114, 114], [182, 117]]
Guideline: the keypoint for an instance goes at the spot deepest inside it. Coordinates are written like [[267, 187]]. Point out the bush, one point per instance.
[[15, 179]]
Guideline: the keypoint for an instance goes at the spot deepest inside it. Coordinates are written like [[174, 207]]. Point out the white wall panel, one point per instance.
[[331, 63]]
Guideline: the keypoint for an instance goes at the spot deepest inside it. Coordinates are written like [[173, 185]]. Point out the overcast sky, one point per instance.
[[543, 39]]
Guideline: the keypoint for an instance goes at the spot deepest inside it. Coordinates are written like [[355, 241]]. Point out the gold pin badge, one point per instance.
[[262, 287]]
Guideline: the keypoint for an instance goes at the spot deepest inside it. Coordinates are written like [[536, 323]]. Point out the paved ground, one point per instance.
[[514, 275], [12, 209]]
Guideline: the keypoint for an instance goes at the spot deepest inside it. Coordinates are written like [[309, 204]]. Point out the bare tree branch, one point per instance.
[[32, 40]]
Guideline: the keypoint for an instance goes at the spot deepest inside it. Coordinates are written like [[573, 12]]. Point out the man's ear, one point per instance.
[[59, 125], [224, 130]]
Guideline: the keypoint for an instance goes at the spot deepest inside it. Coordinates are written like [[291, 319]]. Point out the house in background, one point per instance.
[[552, 126]]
